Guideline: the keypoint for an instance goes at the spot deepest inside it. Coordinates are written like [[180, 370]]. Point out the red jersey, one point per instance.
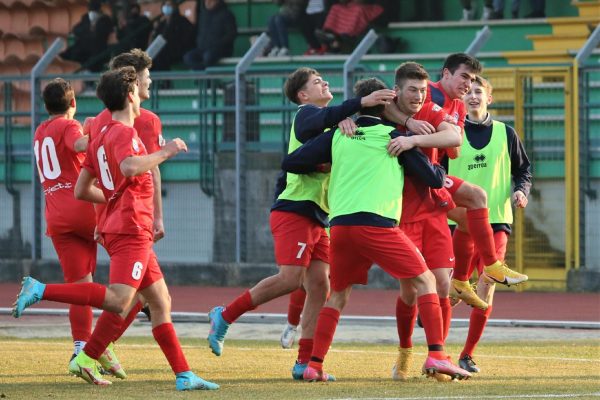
[[58, 168], [455, 108], [147, 125], [419, 201], [129, 208]]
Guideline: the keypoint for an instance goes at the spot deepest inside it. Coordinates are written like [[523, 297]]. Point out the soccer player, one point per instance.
[[295, 307], [298, 218], [59, 146], [365, 196], [119, 161], [458, 72], [490, 156]]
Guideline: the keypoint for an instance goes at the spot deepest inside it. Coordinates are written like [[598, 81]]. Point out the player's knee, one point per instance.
[[476, 197]]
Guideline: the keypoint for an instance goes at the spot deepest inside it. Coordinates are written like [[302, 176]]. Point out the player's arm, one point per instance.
[[454, 152], [310, 157], [85, 188], [520, 169], [159, 228], [393, 113], [417, 164], [447, 135], [137, 165], [81, 144]]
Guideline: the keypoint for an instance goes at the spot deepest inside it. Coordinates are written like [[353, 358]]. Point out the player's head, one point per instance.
[[305, 86], [364, 88], [141, 61], [411, 87], [458, 73], [479, 97], [118, 89], [59, 97]]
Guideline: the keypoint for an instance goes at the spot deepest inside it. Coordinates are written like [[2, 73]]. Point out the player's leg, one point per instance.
[[295, 307], [406, 315], [474, 199]]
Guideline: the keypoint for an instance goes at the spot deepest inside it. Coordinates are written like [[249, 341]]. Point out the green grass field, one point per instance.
[[37, 369]]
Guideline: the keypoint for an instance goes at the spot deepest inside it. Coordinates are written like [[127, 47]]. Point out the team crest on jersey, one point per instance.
[[479, 162], [161, 140], [136, 146], [436, 107]]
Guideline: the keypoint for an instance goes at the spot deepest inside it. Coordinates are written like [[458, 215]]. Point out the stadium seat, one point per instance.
[[58, 22], [39, 21], [19, 20], [4, 19], [14, 50]]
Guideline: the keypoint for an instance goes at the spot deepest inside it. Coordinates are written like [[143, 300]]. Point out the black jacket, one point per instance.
[[217, 30]]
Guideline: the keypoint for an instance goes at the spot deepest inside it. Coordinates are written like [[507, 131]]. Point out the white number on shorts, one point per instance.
[[302, 247], [105, 176], [50, 168], [137, 270]]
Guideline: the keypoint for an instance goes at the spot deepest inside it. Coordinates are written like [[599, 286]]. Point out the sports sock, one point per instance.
[[105, 329], [305, 347], [476, 326], [128, 320], [463, 246], [165, 336], [84, 294], [80, 318], [78, 345], [326, 325], [405, 322], [446, 315], [482, 234], [431, 318], [238, 307], [297, 298]]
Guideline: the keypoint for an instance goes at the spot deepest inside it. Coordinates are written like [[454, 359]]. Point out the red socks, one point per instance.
[[463, 246], [166, 338], [296, 306], [81, 322], [238, 307], [128, 320], [482, 234], [405, 322], [83, 294], [105, 329], [431, 317], [326, 325], [476, 326], [305, 347], [446, 315]]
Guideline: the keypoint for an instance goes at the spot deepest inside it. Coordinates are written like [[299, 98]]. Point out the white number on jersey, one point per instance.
[[105, 177], [136, 273], [49, 167], [302, 248]]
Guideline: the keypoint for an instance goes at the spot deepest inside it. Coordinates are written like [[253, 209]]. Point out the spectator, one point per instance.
[[133, 29], [346, 22], [316, 12], [91, 38], [469, 10], [177, 30], [291, 12], [215, 35], [537, 9]]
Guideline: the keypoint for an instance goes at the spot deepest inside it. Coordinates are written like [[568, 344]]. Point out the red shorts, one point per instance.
[[432, 237], [355, 248], [500, 241], [297, 239], [452, 183], [132, 260], [77, 255]]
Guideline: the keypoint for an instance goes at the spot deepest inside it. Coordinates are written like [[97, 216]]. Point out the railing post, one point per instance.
[[354, 59], [38, 69], [584, 53], [240, 142], [481, 37], [156, 46]]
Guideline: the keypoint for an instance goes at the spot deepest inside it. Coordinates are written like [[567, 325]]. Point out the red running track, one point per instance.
[[376, 302]]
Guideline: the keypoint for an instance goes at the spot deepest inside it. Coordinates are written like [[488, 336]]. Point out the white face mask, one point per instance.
[[93, 15]]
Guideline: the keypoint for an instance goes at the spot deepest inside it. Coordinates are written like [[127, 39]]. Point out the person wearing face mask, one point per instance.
[[91, 39], [133, 30], [177, 30]]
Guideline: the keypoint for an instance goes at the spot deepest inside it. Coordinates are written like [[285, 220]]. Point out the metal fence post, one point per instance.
[[38, 69], [240, 142], [354, 59], [481, 37]]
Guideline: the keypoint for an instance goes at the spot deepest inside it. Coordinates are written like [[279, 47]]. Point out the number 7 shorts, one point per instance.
[[297, 239], [132, 260]]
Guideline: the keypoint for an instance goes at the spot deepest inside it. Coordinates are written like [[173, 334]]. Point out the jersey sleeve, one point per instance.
[[126, 144], [73, 132], [87, 163], [433, 114]]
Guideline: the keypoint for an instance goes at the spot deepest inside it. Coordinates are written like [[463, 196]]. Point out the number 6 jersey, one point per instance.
[[58, 166]]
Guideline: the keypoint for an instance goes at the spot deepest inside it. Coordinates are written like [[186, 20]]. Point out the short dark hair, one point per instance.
[[453, 62], [364, 88], [410, 70], [136, 58], [484, 83], [114, 87], [57, 96], [296, 81]]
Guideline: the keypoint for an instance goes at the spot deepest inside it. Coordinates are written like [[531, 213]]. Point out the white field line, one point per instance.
[[514, 396], [333, 350]]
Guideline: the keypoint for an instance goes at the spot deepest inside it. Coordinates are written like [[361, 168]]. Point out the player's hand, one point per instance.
[[87, 123], [174, 146], [383, 96], [399, 144], [158, 229], [519, 199], [97, 236], [347, 127], [419, 127]]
